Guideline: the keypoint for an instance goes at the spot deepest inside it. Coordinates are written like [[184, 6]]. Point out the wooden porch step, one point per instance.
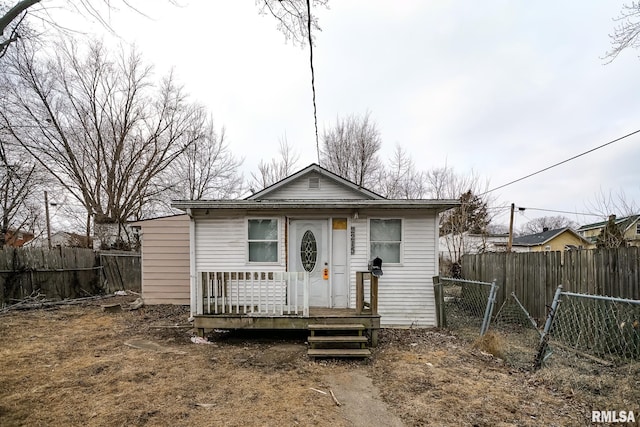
[[339, 352], [336, 327], [338, 339]]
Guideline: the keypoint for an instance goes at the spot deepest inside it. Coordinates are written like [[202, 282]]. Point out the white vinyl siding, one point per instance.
[[405, 294], [304, 189], [405, 290], [221, 245], [165, 260]]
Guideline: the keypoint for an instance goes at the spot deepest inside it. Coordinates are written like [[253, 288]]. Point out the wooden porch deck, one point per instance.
[[333, 316], [230, 300]]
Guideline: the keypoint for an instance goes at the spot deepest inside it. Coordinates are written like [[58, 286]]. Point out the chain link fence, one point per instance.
[[591, 346], [520, 333], [597, 326], [464, 305], [588, 345]]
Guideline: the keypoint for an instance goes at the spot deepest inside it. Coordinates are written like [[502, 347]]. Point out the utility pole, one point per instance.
[[46, 211], [510, 242]]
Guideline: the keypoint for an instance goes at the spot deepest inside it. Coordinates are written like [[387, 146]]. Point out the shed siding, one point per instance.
[[405, 294], [328, 190], [165, 260]]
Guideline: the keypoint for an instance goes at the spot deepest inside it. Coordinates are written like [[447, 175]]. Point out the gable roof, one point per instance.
[[313, 167], [624, 222], [538, 239]]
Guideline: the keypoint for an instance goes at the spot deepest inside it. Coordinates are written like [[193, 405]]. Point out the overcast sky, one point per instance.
[[503, 88]]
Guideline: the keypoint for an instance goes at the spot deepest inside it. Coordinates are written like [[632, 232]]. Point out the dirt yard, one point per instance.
[[79, 365]]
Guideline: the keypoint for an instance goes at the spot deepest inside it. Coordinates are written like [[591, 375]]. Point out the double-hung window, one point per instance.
[[385, 238], [263, 240]]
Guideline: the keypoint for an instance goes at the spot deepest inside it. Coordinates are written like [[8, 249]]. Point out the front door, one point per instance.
[[308, 251]]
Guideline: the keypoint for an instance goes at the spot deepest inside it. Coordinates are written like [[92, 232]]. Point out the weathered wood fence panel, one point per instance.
[[534, 276], [121, 271], [63, 273]]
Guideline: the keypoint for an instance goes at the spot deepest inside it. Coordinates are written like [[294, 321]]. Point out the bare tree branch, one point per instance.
[[626, 34], [293, 17], [277, 169]]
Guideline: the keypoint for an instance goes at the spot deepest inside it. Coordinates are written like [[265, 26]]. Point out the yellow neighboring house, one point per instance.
[[630, 226], [560, 239]]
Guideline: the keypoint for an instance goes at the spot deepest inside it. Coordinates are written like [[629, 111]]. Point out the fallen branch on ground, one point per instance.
[[333, 396], [38, 301]]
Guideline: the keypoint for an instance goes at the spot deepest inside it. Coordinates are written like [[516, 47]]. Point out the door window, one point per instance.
[[308, 251]]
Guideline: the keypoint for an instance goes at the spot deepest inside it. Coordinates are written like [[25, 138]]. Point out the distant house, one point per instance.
[[469, 243], [61, 239], [559, 239], [629, 225], [17, 238]]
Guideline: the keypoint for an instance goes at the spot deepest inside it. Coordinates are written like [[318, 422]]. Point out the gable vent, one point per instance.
[[314, 182]]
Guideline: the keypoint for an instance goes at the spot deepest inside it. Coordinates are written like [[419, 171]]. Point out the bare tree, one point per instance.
[[20, 185], [207, 169], [100, 126], [277, 169], [350, 150], [400, 180], [609, 203], [474, 214], [539, 225], [627, 32]]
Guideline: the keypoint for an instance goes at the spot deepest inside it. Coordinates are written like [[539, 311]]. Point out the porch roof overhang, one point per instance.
[[439, 205]]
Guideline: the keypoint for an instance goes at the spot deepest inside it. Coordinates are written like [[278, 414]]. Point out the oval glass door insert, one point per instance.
[[308, 251]]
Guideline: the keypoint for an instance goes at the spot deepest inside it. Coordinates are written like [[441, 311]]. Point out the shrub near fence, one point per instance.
[[534, 276], [62, 273]]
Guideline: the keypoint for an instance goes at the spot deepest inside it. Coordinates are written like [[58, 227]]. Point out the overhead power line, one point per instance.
[[556, 211], [562, 162]]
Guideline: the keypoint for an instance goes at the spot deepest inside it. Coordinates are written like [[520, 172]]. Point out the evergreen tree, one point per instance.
[[611, 235]]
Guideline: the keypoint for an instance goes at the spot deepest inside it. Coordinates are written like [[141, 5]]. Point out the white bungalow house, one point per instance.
[[298, 245]]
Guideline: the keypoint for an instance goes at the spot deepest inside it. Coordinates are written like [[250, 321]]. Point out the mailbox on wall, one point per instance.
[[375, 266]]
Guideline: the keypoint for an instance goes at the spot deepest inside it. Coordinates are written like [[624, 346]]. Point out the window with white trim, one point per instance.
[[262, 240], [385, 239]]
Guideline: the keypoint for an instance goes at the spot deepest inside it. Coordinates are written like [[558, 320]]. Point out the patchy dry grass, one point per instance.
[[491, 343], [70, 366]]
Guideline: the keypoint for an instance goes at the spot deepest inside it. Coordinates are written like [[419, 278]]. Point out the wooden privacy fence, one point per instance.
[[534, 276], [65, 273]]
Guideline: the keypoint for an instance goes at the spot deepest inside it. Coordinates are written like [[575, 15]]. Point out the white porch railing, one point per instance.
[[254, 293]]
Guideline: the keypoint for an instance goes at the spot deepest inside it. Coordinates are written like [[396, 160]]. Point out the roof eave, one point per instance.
[[439, 205]]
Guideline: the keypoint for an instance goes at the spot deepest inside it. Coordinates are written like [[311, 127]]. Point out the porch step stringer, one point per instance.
[[337, 340]]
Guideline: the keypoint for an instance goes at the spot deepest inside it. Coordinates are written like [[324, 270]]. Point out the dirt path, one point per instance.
[[360, 399]]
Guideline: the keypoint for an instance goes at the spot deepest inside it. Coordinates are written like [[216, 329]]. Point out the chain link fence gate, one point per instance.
[[464, 305]]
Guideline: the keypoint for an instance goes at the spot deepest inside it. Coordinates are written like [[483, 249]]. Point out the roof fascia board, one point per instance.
[[440, 205]]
